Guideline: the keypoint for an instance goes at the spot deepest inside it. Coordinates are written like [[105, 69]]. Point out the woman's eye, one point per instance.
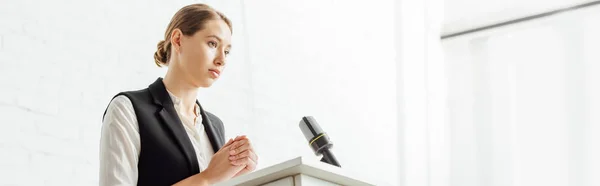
[[226, 52], [212, 44]]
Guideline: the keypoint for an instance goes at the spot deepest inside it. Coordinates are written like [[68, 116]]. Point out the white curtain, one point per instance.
[[523, 104]]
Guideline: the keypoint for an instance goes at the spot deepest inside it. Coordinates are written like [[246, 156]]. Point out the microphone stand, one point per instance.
[[329, 158]]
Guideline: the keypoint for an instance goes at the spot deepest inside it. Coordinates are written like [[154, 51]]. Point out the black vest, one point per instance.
[[167, 155]]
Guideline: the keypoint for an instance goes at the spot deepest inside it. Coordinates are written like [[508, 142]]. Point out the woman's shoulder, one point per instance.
[[118, 105], [133, 94], [126, 98], [123, 101], [120, 101]]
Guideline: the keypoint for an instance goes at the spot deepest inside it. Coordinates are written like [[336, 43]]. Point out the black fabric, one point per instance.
[[167, 155]]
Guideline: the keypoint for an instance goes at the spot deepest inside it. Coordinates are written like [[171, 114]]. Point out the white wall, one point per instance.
[[422, 113], [62, 61], [523, 101]]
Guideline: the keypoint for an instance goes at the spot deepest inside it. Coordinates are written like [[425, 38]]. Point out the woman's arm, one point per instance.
[[119, 144], [199, 179]]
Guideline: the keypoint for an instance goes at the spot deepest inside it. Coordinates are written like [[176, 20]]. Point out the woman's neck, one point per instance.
[[182, 90]]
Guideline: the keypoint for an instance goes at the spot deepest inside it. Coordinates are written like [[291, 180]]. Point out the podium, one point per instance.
[[299, 171]]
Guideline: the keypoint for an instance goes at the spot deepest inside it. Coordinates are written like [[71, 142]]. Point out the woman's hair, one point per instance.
[[189, 20]]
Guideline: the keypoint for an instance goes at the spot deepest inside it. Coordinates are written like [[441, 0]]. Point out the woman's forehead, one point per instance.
[[218, 28]]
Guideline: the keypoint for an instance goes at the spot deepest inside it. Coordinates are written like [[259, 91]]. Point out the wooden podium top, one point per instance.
[[299, 165]]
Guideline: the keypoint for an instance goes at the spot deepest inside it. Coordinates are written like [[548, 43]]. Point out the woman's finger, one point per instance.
[[240, 137], [250, 164], [228, 143], [240, 155], [252, 155], [243, 161], [240, 149], [239, 146]]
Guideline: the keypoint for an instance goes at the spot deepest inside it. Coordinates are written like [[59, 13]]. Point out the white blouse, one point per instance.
[[120, 141]]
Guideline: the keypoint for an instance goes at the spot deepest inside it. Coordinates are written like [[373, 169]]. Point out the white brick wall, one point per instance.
[[62, 61]]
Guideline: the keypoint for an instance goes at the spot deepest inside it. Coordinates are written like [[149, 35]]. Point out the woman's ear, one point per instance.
[[176, 39]]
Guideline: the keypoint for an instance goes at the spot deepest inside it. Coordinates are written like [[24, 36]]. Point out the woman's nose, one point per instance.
[[220, 60]]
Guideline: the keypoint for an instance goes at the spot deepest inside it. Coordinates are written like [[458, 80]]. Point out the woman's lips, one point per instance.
[[214, 73]]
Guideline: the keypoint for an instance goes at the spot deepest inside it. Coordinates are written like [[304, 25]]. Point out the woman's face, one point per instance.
[[202, 56]]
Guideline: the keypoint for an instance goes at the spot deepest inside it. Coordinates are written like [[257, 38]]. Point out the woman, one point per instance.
[[161, 135]]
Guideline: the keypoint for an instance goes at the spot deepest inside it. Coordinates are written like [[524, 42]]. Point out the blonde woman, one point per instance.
[[161, 135]]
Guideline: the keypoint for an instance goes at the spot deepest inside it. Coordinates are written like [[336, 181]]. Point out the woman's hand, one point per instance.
[[235, 158], [220, 168], [242, 154]]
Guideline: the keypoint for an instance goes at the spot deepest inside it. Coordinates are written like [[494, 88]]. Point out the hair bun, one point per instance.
[[160, 56]]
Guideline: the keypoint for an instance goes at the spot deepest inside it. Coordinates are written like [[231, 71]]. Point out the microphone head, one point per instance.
[[317, 139], [310, 128]]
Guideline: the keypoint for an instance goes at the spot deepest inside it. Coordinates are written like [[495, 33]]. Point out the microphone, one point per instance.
[[317, 139]]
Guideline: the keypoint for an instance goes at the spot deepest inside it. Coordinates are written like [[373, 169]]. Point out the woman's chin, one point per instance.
[[206, 83]]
